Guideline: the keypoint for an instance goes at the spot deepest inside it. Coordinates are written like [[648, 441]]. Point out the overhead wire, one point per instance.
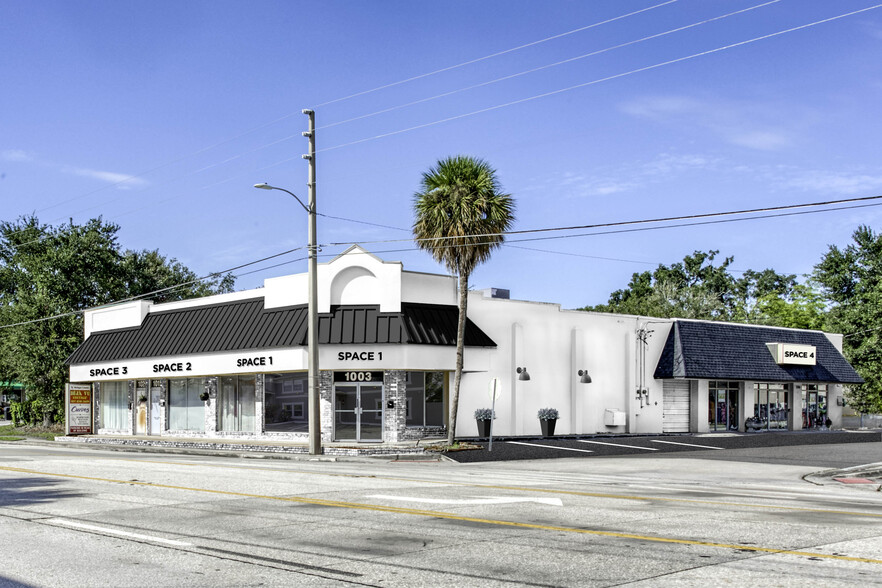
[[590, 83], [546, 94], [705, 216], [211, 276], [646, 221], [544, 67], [128, 178], [492, 55]]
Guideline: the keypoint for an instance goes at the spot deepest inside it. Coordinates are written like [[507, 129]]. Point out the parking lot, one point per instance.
[[620, 446]]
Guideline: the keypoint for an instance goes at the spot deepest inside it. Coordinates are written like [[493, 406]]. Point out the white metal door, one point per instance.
[[675, 409]]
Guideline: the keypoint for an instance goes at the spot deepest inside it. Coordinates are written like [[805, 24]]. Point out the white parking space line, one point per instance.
[[549, 446], [97, 529], [686, 444], [617, 445]]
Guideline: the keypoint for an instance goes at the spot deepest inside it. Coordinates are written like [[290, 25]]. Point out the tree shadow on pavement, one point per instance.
[[32, 490]]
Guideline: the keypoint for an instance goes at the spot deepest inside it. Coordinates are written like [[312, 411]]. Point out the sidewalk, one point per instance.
[[264, 447]]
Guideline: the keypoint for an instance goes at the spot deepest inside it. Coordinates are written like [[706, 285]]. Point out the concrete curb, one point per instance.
[[871, 471]]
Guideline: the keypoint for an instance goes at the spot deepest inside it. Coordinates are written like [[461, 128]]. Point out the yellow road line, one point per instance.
[[453, 517], [528, 489]]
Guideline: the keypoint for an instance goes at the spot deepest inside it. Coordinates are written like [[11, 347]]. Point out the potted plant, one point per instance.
[[484, 417], [547, 419]]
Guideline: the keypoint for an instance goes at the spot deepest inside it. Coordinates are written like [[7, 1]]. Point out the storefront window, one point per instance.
[[186, 412], [235, 398], [114, 405], [770, 408], [425, 399], [722, 406], [814, 406], [285, 402]]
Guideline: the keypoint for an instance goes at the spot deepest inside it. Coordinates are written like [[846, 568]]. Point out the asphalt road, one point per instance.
[[71, 517]]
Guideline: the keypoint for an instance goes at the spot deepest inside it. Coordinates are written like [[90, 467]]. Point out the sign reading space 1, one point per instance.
[[793, 354]]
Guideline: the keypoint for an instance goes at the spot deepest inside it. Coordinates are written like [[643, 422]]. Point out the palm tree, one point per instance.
[[461, 214]]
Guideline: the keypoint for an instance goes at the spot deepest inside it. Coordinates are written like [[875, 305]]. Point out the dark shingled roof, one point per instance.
[[710, 351], [245, 324]]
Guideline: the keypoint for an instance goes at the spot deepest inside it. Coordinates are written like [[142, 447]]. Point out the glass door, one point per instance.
[[371, 421], [346, 413], [358, 412], [723, 406]]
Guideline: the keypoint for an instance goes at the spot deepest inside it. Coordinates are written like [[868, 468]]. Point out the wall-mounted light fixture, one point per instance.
[[522, 374], [585, 379]]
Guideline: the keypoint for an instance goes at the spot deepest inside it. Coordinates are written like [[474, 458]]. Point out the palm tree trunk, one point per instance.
[[460, 345]]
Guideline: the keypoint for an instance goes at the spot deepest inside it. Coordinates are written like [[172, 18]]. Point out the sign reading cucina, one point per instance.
[[793, 354]]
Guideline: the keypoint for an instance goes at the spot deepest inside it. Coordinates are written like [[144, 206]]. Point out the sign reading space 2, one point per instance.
[[793, 354]]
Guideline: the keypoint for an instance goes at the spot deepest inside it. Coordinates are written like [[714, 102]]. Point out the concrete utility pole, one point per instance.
[[314, 408]]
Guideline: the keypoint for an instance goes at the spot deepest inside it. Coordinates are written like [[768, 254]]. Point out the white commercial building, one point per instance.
[[235, 365]]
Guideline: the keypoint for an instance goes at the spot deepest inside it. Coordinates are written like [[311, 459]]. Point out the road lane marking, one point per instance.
[[549, 446], [521, 488], [684, 444], [108, 531], [453, 517], [470, 501], [617, 445]]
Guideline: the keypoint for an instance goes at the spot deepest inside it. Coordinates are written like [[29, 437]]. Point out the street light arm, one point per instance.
[[268, 187]]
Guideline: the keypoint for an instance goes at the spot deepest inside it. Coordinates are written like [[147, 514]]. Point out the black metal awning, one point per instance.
[[246, 324]]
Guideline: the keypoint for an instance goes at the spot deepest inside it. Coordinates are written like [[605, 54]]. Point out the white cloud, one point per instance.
[[833, 182], [664, 168], [754, 126], [760, 140], [123, 181], [15, 155]]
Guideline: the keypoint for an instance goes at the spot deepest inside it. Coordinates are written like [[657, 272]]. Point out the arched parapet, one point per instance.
[[356, 285], [357, 277]]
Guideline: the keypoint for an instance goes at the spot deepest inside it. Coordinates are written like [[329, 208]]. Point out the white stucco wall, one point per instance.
[[553, 345]]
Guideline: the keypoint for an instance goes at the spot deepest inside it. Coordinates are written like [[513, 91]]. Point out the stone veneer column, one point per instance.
[[210, 385], [395, 418], [133, 405], [259, 414], [326, 410], [96, 406]]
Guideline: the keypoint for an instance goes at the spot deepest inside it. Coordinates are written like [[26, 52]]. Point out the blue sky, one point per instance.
[[161, 115]]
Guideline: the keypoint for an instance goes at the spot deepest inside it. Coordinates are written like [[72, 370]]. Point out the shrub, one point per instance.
[[484, 414], [548, 414]]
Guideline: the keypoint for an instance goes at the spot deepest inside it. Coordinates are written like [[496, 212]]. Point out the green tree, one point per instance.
[[460, 214], [852, 281], [699, 288], [803, 308], [47, 273], [693, 288]]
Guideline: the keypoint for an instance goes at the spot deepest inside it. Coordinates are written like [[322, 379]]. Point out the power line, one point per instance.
[[214, 275], [543, 67], [492, 55], [336, 100], [210, 276], [473, 113], [586, 84], [647, 221]]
